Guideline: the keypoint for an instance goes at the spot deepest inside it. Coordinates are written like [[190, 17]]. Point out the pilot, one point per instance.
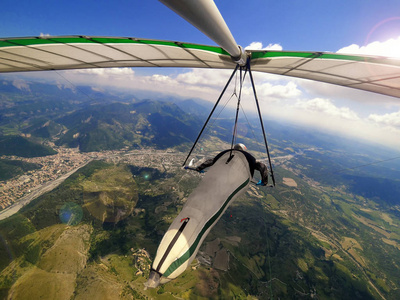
[[229, 177], [254, 165]]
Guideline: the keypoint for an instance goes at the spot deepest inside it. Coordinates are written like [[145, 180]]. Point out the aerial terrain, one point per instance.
[[329, 229]]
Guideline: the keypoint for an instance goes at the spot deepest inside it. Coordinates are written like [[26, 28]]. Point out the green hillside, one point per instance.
[[34, 110], [20, 146], [97, 233], [11, 168], [117, 125], [91, 120], [44, 128]]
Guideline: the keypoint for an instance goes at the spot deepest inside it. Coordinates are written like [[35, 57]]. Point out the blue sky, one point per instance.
[[297, 25], [360, 26]]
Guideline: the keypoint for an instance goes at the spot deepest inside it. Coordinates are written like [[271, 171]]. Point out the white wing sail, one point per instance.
[[77, 52], [371, 73]]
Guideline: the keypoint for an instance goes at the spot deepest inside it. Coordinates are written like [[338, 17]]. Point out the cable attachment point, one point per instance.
[[241, 60]]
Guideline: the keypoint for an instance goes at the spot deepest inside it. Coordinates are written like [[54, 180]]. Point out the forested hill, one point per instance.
[[91, 119], [117, 125], [20, 146]]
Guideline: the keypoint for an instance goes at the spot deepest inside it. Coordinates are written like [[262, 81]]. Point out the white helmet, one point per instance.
[[240, 146]]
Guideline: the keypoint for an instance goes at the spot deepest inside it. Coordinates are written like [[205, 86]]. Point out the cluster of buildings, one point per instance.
[[68, 159], [52, 167], [142, 261], [163, 160]]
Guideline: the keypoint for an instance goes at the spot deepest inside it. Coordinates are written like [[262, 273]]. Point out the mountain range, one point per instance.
[[118, 125], [101, 121]]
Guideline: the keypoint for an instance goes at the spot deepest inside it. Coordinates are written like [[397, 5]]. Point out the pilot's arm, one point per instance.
[[263, 169], [208, 163]]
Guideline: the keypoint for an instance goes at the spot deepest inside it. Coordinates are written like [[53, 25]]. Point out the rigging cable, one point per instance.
[[241, 80], [242, 77], [252, 130], [261, 121], [226, 103], [212, 111], [74, 86]]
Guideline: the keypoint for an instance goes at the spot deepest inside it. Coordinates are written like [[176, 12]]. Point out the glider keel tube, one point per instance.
[[221, 185], [205, 16]]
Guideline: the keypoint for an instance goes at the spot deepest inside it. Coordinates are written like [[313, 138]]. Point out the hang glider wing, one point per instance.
[[371, 73], [61, 53], [376, 74]]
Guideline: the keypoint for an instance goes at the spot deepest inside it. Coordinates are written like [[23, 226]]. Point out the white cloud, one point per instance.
[[21, 85], [158, 79], [44, 34], [323, 115], [391, 119], [205, 77], [105, 72], [277, 91], [259, 46], [389, 48], [97, 89], [200, 83], [326, 107]]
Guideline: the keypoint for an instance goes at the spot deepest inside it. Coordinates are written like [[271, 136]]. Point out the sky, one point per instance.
[[359, 26]]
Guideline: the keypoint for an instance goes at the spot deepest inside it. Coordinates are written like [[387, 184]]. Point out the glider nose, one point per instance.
[[154, 280]]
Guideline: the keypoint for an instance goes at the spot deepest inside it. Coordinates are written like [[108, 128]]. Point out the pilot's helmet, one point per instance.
[[240, 146]]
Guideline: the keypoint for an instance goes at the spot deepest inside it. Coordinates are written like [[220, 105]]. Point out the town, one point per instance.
[[71, 159], [52, 167]]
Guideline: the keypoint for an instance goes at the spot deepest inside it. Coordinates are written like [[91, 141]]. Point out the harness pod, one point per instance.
[[223, 183]]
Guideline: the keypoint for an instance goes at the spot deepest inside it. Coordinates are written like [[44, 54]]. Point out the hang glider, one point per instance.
[[371, 73]]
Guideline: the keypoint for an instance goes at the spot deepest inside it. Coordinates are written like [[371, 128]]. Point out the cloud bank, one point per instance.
[[390, 48]]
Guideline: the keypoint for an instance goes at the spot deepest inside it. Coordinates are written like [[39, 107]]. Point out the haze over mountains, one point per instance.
[[330, 229], [101, 121]]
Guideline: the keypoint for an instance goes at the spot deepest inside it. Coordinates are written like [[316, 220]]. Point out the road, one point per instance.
[[36, 192]]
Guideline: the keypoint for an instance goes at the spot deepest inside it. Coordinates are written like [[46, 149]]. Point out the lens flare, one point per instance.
[[71, 213], [146, 176], [389, 31]]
